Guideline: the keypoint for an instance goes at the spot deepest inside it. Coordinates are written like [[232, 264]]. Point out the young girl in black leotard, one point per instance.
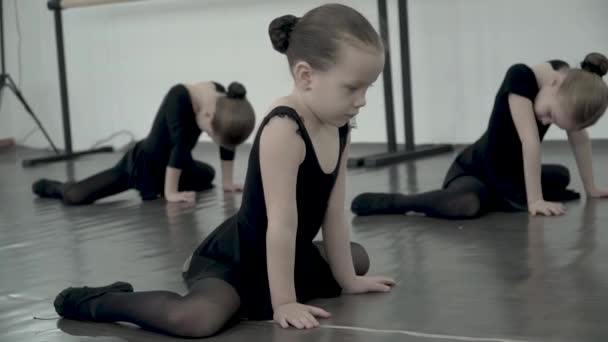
[[262, 263], [161, 165], [502, 170]]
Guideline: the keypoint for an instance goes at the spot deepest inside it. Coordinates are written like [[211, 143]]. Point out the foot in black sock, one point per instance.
[[375, 204], [47, 188], [74, 302]]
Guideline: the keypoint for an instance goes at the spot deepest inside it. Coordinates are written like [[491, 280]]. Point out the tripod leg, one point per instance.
[[12, 86]]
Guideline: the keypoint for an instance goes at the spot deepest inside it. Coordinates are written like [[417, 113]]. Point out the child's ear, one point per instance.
[[303, 75]]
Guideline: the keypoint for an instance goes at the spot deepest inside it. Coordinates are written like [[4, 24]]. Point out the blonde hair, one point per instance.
[[234, 118], [584, 92]]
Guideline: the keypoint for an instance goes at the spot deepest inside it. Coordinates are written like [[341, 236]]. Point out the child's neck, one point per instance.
[[202, 95], [311, 120], [545, 75]]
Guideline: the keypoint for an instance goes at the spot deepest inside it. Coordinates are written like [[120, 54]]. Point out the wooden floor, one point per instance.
[[504, 277]]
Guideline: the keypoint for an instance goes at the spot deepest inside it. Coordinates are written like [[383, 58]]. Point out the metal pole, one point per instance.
[[406, 78], [387, 79], [63, 87]]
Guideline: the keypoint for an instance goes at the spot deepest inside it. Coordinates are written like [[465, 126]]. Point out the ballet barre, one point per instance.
[[57, 6], [411, 150], [66, 4], [393, 153]]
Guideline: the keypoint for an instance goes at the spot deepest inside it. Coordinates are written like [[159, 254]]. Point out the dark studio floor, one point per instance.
[[504, 277]]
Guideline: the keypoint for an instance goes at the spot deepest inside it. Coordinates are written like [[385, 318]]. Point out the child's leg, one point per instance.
[[103, 184], [465, 197], [555, 179], [204, 311], [87, 191], [197, 178], [360, 256]]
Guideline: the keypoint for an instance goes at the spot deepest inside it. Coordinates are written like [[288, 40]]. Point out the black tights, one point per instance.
[[465, 197], [103, 184], [114, 181], [204, 311], [210, 304]]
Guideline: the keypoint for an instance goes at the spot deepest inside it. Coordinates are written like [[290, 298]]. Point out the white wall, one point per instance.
[[461, 48], [6, 126], [122, 59]]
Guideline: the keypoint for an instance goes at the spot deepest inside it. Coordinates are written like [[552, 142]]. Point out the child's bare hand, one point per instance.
[[232, 187], [182, 196], [598, 193], [369, 284], [546, 208], [299, 315]]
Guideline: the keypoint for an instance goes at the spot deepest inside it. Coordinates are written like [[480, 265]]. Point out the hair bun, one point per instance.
[[280, 30], [236, 91], [595, 63]]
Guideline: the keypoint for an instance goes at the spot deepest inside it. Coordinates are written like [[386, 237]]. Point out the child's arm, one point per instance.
[[181, 155], [171, 192], [336, 231], [337, 242], [522, 112], [227, 165], [281, 153], [227, 177], [581, 147]]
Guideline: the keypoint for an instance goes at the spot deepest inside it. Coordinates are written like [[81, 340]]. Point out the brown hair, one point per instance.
[[584, 91], [596, 63], [314, 38], [234, 118]]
